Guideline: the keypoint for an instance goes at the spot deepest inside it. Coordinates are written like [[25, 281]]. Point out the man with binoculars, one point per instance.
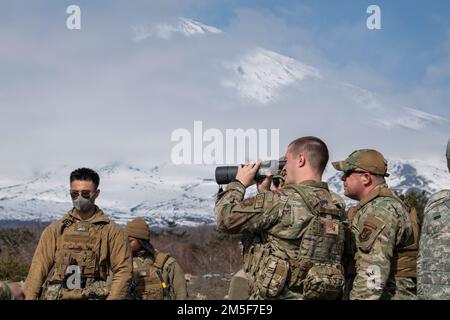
[[299, 231]]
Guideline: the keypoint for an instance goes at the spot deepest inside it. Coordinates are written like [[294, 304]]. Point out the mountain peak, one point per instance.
[[183, 26], [168, 192], [260, 73]]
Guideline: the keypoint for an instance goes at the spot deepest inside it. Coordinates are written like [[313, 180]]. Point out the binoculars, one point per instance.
[[226, 174]]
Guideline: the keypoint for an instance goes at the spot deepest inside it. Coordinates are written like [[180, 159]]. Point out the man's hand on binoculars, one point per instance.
[[246, 173], [264, 185]]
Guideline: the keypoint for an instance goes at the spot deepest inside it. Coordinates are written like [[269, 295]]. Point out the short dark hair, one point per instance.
[[85, 174], [315, 149]]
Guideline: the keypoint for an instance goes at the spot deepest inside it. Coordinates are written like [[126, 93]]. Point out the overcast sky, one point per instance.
[[99, 95]]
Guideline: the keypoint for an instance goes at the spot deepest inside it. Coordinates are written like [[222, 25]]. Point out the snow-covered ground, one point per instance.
[[166, 193]]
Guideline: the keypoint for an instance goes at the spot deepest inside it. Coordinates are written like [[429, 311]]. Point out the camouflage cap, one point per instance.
[[448, 155], [366, 159]]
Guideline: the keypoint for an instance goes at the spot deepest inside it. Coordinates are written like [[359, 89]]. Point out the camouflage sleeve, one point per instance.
[[424, 238], [177, 281], [42, 262], [5, 291], [121, 263], [375, 235], [435, 226], [235, 215]]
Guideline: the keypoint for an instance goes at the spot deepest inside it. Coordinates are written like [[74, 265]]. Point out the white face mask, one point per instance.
[[83, 204]]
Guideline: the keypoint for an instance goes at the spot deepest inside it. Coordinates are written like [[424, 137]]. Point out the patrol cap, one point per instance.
[[138, 229], [365, 159], [448, 155]]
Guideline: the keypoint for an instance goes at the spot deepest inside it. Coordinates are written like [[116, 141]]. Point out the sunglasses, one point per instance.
[[84, 193], [349, 172]]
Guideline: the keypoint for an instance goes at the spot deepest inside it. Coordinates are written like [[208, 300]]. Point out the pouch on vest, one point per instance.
[[150, 284], [324, 282], [271, 276]]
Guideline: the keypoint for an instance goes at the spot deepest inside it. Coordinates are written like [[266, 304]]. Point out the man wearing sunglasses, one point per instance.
[[77, 253], [382, 237], [433, 264]]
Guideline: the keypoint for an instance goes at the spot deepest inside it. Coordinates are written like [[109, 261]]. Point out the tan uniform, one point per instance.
[[239, 286], [157, 279], [96, 246]]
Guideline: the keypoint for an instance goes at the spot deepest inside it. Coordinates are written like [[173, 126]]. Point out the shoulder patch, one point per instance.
[[248, 202], [371, 229], [366, 233], [259, 202]]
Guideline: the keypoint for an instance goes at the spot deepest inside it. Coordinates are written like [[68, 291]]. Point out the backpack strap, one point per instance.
[[321, 210], [160, 259]]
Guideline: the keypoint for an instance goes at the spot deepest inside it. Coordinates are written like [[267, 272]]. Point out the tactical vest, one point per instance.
[[78, 248], [148, 281], [316, 272], [404, 263]]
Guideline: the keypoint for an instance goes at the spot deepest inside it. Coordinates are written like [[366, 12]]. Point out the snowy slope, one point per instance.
[[260, 73], [166, 193], [183, 26]]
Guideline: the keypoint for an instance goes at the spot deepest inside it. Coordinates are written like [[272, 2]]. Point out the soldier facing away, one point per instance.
[[383, 236], [75, 254], [297, 249], [156, 275], [433, 264]]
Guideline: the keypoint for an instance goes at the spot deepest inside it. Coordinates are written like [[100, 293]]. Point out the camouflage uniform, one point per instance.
[[279, 220], [169, 284], [433, 263], [380, 227], [239, 285], [156, 275], [5, 291]]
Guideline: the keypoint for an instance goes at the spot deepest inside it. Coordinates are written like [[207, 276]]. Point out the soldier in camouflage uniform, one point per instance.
[[382, 242], [298, 235], [76, 254], [156, 275], [239, 285], [433, 264]]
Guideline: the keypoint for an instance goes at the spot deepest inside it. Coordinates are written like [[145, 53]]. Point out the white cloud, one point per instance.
[[165, 31], [96, 96]]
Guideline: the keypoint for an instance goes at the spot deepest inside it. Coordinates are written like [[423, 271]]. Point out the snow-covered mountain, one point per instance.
[[183, 26], [166, 193], [260, 73]]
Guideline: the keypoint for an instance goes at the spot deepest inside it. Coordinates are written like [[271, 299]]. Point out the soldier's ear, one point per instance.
[[301, 160], [366, 179], [97, 193]]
